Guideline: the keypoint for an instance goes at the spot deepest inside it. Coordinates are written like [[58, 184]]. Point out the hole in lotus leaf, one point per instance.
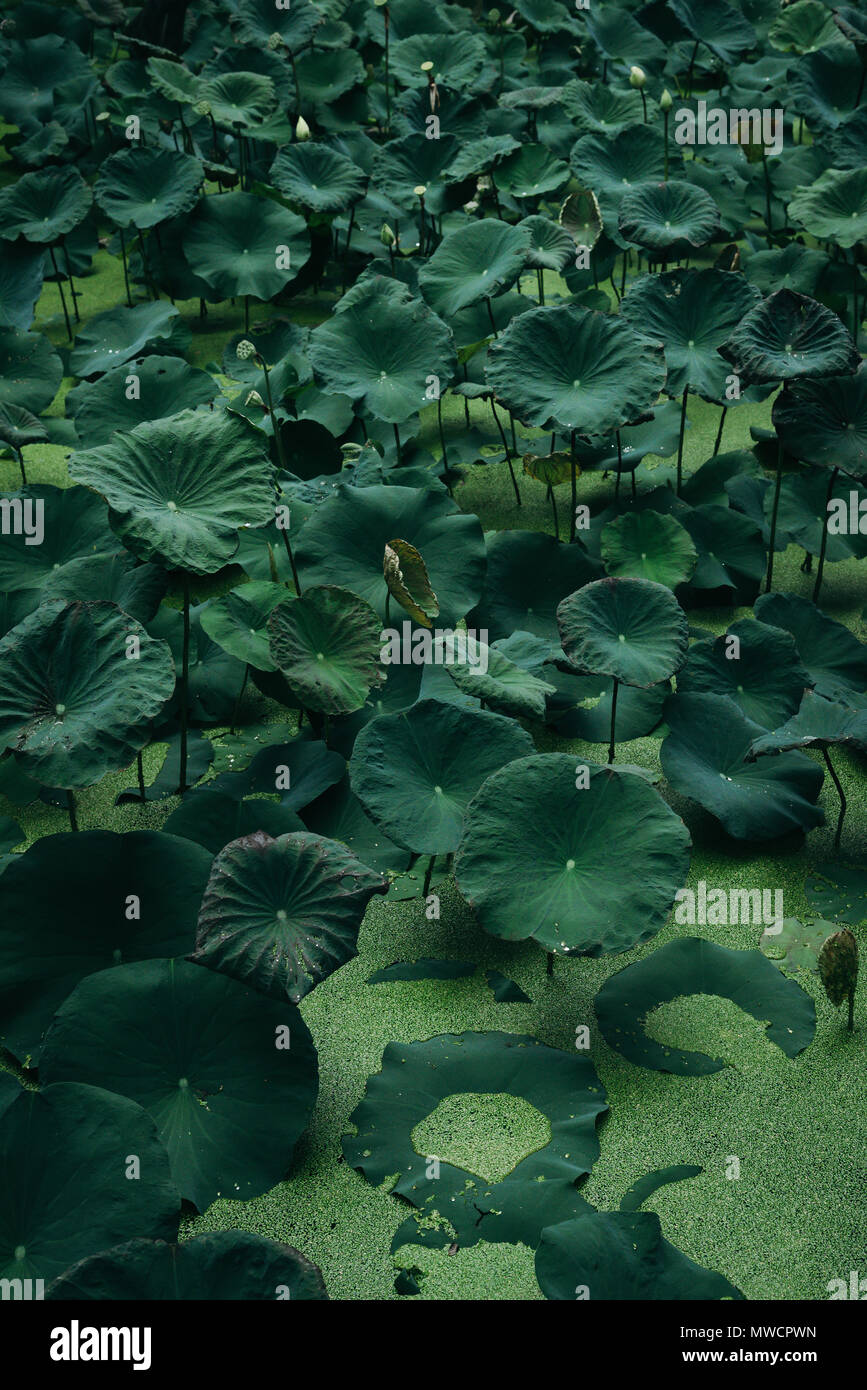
[[486, 1134]]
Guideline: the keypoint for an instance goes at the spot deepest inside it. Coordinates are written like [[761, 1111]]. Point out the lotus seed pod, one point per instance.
[[245, 349], [275, 41], [493, 16], [302, 129], [427, 67], [202, 108], [666, 101], [637, 77], [838, 965], [387, 236]]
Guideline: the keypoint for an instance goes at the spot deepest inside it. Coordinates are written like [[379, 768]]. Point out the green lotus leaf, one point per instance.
[[238, 98], [326, 645], [44, 206], [35, 67], [30, 370], [160, 386], [835, 659], [137, 589], [669, 218], [599, 109], [73, 705], [299, 772], [572, 369], [582, 707], [622, 1255], [581, 218], [474, 262], [806, 505], [720, 26], [642, 1190], [174, 81], [45, 143], [203, 1055], [703, 758], [457, 58], [797, 945], [551, 469], [789, 335], [631, 629], [339, 815], [478, 156], [825, 422], [528, 573], [407, 579], [834, 208], [619, 36], [847, 143], [416, 1077], [141, 187], [114, 337], [803, 27], [503, 686], [381, 351], [19, 427], [345, 539], [755, 665], [552, 247], [318, 177], [324, 75], [838, 892], [731, 549], [611, 166], [693, 966], [75, 525], [295, 23], [796, 267], [180, 488], [241, 244], [282, 914], [504, 990], [545, 16], [825, 87], [218, 1266], [583, 871], [64, 1188], [21, 274], [692, 312], [215, 818], [415, 772], [531, 171], [238, 622], [647, 545], [423, 969], [818, 723]]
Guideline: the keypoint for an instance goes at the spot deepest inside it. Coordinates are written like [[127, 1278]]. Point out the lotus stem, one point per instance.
[[239, 698], [855, 320], [680, 438], [773, 536], [540, 284], [613, 719], [554, 508], [506, 450], [665, 126], [719, 433], [767, 199], [125, 271], [821, 567], [841, 794], [397, 445], [62, 295], [387, 19], [549, 964], [72, 808], [574, 488], [428, 874], [146, 268], [691, 66], [72, 289], [139, 767], [491, 316], [441, 430], [20, 457], [185, 684]]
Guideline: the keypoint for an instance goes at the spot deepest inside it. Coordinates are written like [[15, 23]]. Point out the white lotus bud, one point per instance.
[[637, 77], [666, 101], [302, 129], [387, 236]]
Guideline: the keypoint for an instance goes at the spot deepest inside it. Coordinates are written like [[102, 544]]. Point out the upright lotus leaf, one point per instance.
[[610, 166], [19, 427], [731, 549], [568, 368], [401, 166], [181, 488], [75, 524], [344, 542], [381, 352], [528, 574], [114, 337], [165, 386], [817, 723], [501, 684], [583, 706], [416, 1077], [296, 24], [406, 576], [174, 81], [825, 88], [600, 109], [552, 247], [238, 622], [244, 245], [838, 892], [789, 335], [324, 75], [703, 757], [457, 58], [584, 870], [648, 545], [214, 819], [326, 645], [64, 1189], [476, 157], [835, 659], [229, 1077], [44, 206], [825, 422], [281, 914], [30, 370], [834, 208], [796, 267], [692, 312], [35, 67], [318, 177], [720, 26], [531, 171], [73, 706], [803, 27], [669, 219], [238, 98], [415, 772], [22, 268], [142, 186], [299, 771], [753, 664], [475, 262], [622, 1255], [631, 629], [693, 966], [580, 217]]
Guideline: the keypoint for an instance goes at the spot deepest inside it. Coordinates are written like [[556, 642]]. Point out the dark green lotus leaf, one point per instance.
[[545, 16], [317, 177], [295, 23], [406, 576], [416, 1077], [457, 58], [789, 335], [658, 435], [244, 245], [114, 337], [402, 165], [238, 622], [668, 218], [282, 914], [722, 27], [218, 1266], [238, 98], [44, 144], [74, 702], [43, 206], [642, 1190], [19, 427], [703, 758], [760, 670], [345, 539], [796, 267], [174, 81], [181, 488], [137, 589], [504, 990], [65, 1192], [528, 573], [692, 312], [200, 755], [503, 686], [479, 156], [803, 27], [415, 772], [610, 166], [214, 818], [326, 645], [552, 247], [583, 871], [648, 545], [531, 172], [382, 351], [35, 67], [602, 110], [339, 815], [570, 368], [818, 723], [581, 707], [825, 422], [847, 143], [149, 388], [825, 88], [229, 1077], [299, 772], [477, 261], [324, 75], [21, 274], [731, 549], [30, 370], [694, 966], [141, 187], [580, 216], [835, 659], [631, 629], [75, 524], [805, 506], [834, 208], [620, 36], [423, 969], [796, 945], [838, 892], [622, 1255]]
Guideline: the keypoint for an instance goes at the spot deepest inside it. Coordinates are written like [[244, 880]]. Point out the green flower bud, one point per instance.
[[666, 101], [387, 236], [637, 77], [838, 968]]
